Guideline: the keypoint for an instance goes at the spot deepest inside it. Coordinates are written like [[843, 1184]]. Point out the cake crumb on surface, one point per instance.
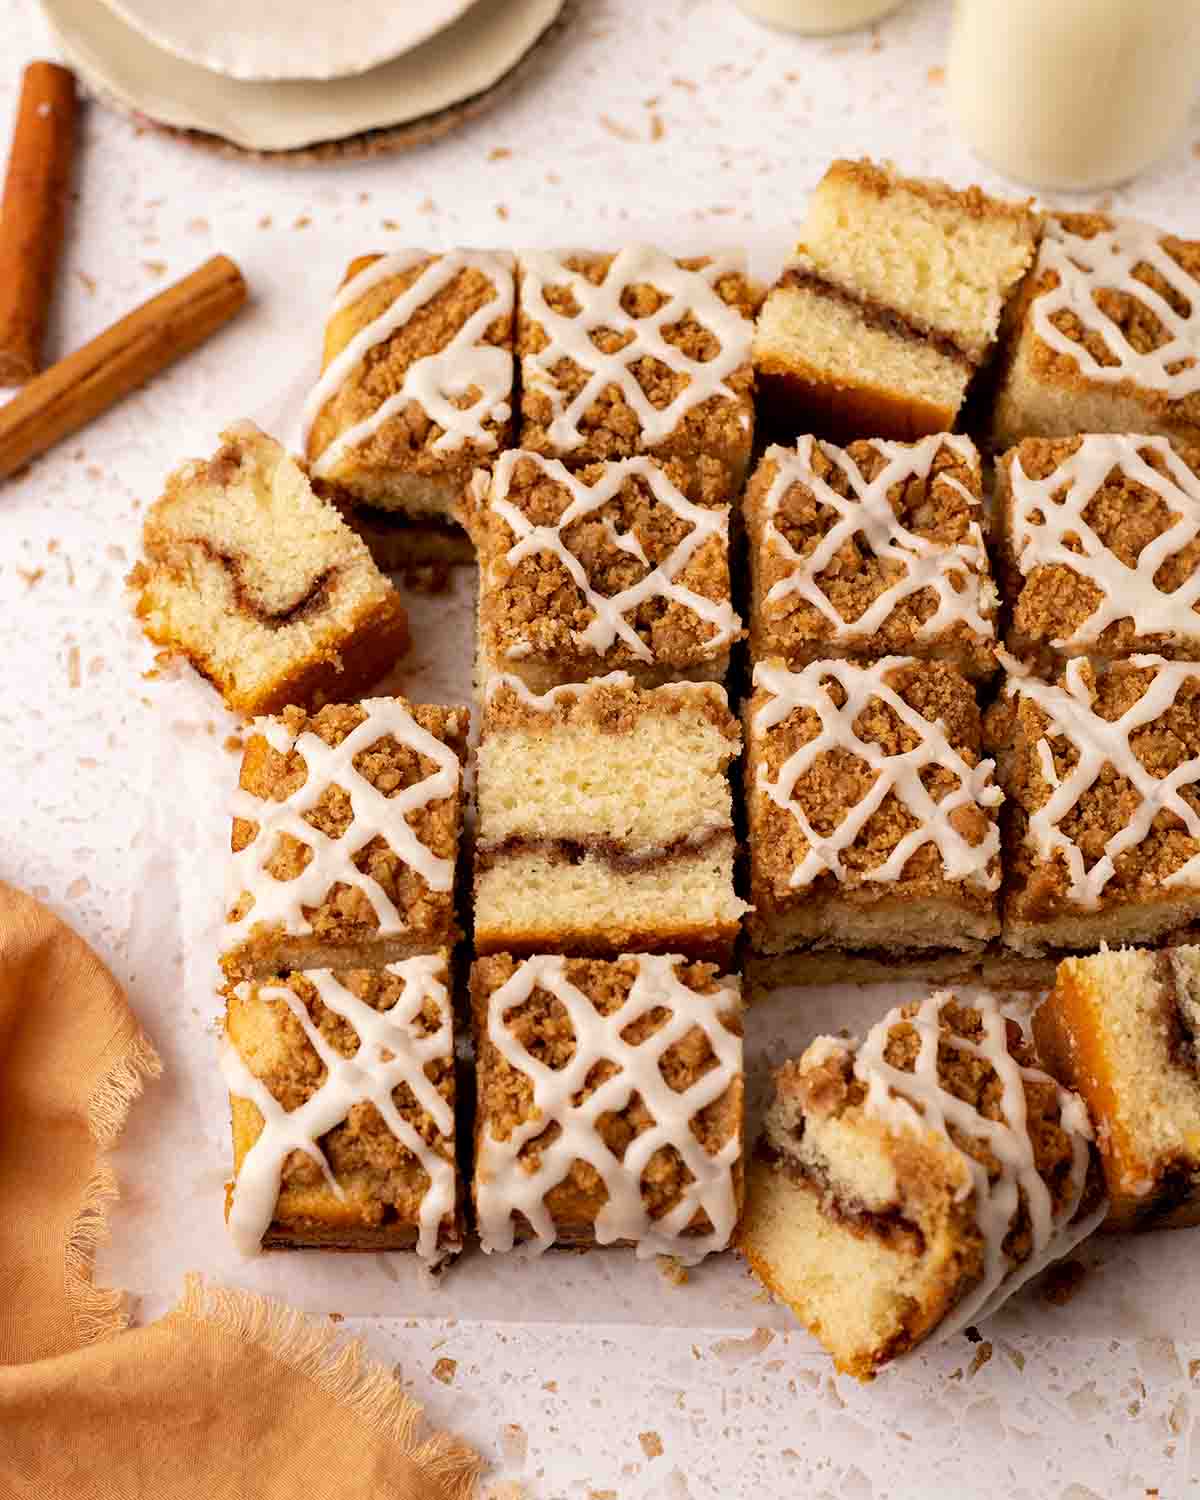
[[1063, 1281], [737, 1349], [445, 1370], [514, 1443], [982, 1355], [652, 1445], [672, 1270]]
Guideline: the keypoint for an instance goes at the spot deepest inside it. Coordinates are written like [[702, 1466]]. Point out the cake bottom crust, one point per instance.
[[1144, 923], [873, 918], [398, 541], [798, 399], [390, 1237], [1032, 405], [597, 907], [269, 952], [765, 974]]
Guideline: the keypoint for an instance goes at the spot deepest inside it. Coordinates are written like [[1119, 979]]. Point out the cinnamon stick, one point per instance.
[[33, 215], [78, 388]]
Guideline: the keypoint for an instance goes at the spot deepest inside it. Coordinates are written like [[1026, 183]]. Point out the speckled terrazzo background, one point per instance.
[[679, 121]]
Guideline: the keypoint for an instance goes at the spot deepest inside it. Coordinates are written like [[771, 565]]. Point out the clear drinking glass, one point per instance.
[[1073, 94]]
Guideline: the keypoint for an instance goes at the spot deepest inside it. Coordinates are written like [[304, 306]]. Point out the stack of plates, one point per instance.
[[315, 79]]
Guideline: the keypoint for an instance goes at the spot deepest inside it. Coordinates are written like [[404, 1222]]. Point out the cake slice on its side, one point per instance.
[[610, 1104], [1121, 1028], [911, 1183], [416, 392], [345, 837], [261, 585], [892, 303], [868, 551], [1104, 336], [342, 1093], [605, 820]]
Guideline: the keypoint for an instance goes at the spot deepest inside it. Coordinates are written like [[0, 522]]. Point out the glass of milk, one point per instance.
[[818, 17], [1073, 94]]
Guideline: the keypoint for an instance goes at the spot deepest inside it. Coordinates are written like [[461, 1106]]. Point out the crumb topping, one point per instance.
[[865, 774], [614, 561], [418, 367], [1102, 776], [1112, 301], [877, 546], [639, 1132], [1104, 531], [628, 353], [346, 823]]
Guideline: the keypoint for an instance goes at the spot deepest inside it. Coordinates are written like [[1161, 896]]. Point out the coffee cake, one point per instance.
[[610, 1104], [1105, 334], [868, 551], [618, 566]]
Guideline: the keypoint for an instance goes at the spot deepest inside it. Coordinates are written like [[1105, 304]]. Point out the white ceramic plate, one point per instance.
[[465, 59], [263, 40]]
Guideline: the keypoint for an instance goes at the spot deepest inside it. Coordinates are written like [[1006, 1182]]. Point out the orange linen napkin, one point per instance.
[[230, 1394]]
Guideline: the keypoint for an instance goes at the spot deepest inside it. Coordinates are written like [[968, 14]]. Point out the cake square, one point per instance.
[[634, 353], [605, 821], [618, 566], [610, 1104], [872, 550], [259, 583], [890, 305], [1100, 546], [872, 820], [1120, 1027], [1101, 778], [1105, 335], [341, 1088], [416, 391], [908, 1184], [345, 837]]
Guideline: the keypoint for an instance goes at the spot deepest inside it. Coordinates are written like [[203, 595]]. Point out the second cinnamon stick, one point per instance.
[[33, 215], [78, 388]]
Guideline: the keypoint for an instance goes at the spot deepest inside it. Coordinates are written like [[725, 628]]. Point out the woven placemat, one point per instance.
[[389, 139]]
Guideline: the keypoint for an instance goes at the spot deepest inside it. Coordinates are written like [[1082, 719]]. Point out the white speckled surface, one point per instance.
[[682, 122]]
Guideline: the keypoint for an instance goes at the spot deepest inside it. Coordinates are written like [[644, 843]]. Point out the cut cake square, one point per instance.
[[342, 1094], [605, 820], [345, 837], [610, 1104], [868, 551], [261, 585]]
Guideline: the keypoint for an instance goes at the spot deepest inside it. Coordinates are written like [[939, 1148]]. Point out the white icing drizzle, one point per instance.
[[430, 381], [391, 1052], [923, 564], [916, 1101], [1107, 262], [504, 1184], [898, 774], [1063, 497], [609, 623], [373, 815], [687, 294], [1098, 743]]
